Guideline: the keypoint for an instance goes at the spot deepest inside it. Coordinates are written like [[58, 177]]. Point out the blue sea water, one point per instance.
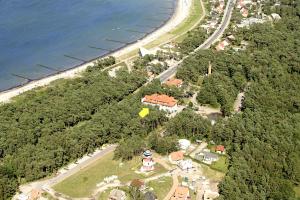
[[34, 32]]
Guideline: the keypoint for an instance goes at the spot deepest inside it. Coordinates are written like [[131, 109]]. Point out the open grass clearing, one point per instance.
[[211, 174], [83, 183], [297, 191], [221, 164], [161, 186]]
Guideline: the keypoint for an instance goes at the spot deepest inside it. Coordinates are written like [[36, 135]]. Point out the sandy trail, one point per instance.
[[181, 13]]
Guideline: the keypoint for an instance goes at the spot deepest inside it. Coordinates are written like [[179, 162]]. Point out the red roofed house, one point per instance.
[[163, 101], [174, 82], [220, 149], [221, 46], [240, 4], [181, 193], [174, 157], [244, 12]]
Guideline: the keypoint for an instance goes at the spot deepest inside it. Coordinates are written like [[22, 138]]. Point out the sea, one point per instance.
[[39, 38]]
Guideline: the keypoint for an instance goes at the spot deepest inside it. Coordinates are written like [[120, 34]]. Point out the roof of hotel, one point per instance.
[[158, 99], [174, 82]]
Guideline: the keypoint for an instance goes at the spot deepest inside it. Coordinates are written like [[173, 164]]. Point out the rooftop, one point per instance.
[[178, 155], [181, 193], [163, 100], [220, 148], [174, 82]]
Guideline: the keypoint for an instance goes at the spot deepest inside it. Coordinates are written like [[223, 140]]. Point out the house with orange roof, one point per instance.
[[221, 46], [164, 102], [174, 82], [181, 193], [244, 12], [220, 149], [174, 157]]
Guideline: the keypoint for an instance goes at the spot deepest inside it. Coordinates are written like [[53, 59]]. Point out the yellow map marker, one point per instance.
[[144, 112]]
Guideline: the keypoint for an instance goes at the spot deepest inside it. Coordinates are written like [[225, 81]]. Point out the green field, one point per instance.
[[212, 174], [220, 165], [84, 182], [161, 186], [297, 191]]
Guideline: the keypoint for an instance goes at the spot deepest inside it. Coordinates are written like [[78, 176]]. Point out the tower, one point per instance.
[[148, 162], [209, 68]]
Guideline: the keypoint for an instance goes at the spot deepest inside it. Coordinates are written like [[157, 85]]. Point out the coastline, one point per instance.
[[180, 12]]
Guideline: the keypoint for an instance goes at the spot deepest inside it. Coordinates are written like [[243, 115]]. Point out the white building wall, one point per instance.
[[165, 108]]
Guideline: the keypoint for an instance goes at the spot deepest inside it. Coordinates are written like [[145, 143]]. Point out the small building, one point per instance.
[[150, 196], [143, 52], [174, 82], [23, 197], [207, 157], [220, 149], [174, 157], [164, 102], [184, 144], [117, 195], [148, 162], [221, 46], [181, 193], [185, 164], [210, 195], [244, 12], [275, 16], [35, 194], [137, 183]]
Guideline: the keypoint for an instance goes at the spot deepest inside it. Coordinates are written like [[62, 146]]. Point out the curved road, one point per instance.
[[164, 76]]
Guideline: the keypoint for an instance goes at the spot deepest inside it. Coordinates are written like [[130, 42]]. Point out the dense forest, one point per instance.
[[37, 130], [264, 139]]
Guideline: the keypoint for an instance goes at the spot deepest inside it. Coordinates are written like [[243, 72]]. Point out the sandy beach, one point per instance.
[[181, 12]]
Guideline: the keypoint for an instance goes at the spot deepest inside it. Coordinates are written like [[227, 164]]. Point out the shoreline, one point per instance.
[[180, 12]]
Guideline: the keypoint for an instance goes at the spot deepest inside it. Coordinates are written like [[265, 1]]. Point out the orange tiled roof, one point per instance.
[[163, 100], [174, 82], [220, 148], [178, 155], [181, 193]]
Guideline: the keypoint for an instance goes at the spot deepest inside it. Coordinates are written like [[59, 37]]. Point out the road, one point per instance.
[[48, 183], [171, 71]]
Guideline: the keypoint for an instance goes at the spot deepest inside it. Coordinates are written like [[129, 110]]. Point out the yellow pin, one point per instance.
[[144, 112]]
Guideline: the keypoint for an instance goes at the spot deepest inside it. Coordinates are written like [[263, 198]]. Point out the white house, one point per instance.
[[185, 164], [143, 52], [184, 144]]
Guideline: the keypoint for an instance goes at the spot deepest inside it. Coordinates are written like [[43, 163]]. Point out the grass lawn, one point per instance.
[[84, 182], [212, 174], [297, 191], [161, 186], [221, 164]]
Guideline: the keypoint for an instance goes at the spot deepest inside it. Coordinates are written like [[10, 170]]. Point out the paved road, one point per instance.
[[171, 71]]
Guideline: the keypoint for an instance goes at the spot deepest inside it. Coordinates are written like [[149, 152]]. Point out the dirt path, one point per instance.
[[238, 102], [203, 110], [174, 186]]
